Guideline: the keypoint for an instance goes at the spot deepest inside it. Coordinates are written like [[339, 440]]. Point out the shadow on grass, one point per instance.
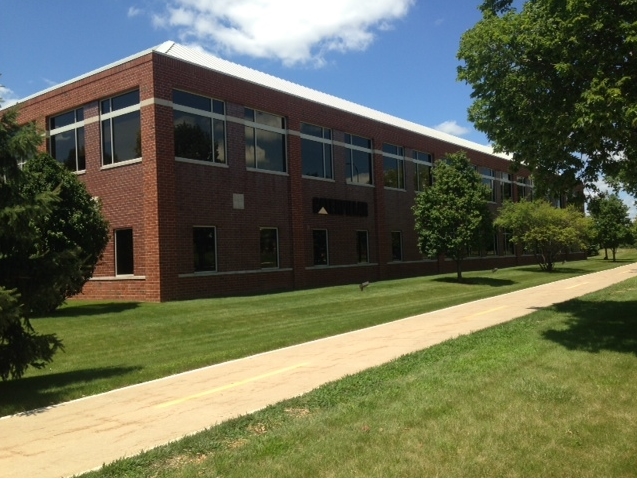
[[557, 269], [38, 392], [596, 326], [476, 281], [93, 309]]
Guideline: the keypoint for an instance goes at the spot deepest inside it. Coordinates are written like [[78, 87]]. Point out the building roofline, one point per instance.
[[205, 60]]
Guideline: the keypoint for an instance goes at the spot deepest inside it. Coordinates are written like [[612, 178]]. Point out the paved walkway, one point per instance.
[[81, 435]]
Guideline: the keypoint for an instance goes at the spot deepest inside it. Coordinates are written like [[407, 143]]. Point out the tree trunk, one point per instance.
[[614, 251], [605, 253], [458, 270]]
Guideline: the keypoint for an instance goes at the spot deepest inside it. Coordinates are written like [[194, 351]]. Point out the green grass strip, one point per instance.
[[551, 394], [114, 344]]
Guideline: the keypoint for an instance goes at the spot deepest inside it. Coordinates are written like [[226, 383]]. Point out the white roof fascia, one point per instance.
[[208, 61]]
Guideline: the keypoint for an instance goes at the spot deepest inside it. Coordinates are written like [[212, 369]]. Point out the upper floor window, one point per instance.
[[265, 141], [316, 151], [525, 188], [488, 176], [200, 127], [422, 176], [359, 160], [67, 139], [121, 128], [506, 188], [393, 166]]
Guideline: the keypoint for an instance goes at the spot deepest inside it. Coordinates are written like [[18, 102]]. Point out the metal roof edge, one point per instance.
[[162, 48]]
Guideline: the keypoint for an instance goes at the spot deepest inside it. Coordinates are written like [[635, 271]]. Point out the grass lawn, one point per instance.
[[551, 394], [110, 345]]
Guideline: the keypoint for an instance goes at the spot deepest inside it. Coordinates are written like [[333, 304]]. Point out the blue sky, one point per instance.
[[396, 56]]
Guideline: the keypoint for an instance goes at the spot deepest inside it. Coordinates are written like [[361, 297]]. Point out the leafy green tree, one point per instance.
[[543, 229], [613, 227], [553, 85], [452, 215]]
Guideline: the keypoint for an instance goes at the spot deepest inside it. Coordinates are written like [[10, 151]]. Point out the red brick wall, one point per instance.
[[162, 199]]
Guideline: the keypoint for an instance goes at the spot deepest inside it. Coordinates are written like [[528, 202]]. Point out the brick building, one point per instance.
[[217, 179]]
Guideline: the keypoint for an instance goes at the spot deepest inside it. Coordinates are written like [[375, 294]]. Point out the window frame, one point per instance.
[[326, 248], [210, 114], [261, 127], [358, 247], [195, 253], [401, 257], [76, 126], [327, 145], [117, 247], [418, 160], [396, 155], [351, 148], [261, 251], [113, 114]]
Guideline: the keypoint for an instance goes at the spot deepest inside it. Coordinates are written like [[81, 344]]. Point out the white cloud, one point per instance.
[[451, 127], [7, 97], [134, 12], [293, 31]]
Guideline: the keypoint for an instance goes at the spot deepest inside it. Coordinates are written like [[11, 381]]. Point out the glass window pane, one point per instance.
[[270, 151], [220, 141], [269, 119], [248, 114], [105, 106], [204, 248], [312, 158], [390, 149], [193, 136], [327, 149], [81, 150], [106, 142], [311, 130], [250, 148], [127, 142], [191, 100], [320, 247], [361, 246], [62, 120], [361, 142], [125, 100], [390, 171], [218, 107], [124, 252], [269, 249], [63, 148], [397, 246], [362, 167]]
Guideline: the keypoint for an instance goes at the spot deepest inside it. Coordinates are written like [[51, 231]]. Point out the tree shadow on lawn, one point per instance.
[[557, 269], [72, 310], [476, 281], [596, 326], [40, 391]]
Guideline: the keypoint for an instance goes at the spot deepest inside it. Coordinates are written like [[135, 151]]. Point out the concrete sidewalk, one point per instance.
[[81, 435]]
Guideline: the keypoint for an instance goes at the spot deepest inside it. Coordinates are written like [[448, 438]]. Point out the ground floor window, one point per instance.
[[269, 248], [319, 237], [508, 247], [362, 247], [396, 246], [124, 264], [204, 248]]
